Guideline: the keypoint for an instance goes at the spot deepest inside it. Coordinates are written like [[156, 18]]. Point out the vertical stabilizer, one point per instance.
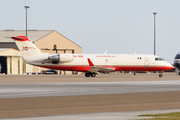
[[26, 47]]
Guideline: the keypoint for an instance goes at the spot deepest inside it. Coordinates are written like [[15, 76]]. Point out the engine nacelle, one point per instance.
[[65, 58], [61, 58]]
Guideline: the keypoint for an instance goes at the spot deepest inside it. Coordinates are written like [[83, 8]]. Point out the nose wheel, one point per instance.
[[160, 74]]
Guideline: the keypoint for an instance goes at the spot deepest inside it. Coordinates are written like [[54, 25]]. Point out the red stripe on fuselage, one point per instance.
[[117, 68]]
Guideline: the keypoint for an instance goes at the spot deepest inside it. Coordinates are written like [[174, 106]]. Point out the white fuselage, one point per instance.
[[120, 62]]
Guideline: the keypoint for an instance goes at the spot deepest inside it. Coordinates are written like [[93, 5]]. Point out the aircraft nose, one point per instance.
[[169, 66]]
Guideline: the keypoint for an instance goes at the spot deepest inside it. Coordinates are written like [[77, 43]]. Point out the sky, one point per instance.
[[118, 26]]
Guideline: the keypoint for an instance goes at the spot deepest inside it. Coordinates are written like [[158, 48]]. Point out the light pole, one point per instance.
[[154, 32], [26, 7]]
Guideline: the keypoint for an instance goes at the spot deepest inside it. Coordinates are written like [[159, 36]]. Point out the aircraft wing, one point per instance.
[[102, 69], [97, 69]]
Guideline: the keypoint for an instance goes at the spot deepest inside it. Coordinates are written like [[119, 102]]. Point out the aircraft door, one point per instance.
[[146, 62]]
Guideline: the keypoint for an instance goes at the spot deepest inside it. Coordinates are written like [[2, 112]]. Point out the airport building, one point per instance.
[[48, 41]]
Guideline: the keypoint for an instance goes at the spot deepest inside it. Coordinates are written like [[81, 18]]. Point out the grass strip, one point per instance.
[[162, 116]]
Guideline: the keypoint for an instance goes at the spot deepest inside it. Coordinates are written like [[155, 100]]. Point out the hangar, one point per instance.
[[48, 41], [11, 61]]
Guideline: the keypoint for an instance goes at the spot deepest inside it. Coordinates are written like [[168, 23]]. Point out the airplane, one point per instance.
[[177, 62], [90, 63]]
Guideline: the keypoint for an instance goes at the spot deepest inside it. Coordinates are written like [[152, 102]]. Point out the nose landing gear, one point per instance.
[[160, 74]]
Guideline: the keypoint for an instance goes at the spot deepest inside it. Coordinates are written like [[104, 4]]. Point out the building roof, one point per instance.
[[3, 49], [9, 52], [34, 35]]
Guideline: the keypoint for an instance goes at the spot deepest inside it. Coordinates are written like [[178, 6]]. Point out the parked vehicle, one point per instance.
[[51, 71]]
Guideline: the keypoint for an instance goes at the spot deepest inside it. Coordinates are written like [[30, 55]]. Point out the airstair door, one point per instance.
[[146, 62]]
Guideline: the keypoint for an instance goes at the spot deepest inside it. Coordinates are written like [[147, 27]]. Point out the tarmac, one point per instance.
[[105, 97], [132, 115]]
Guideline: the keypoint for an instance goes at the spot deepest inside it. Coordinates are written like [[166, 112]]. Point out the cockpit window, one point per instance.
[[177, 56], [159, 59]]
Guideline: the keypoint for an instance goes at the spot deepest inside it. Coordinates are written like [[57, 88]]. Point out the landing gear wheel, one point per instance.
[[87, 74], [93, 74], [160, 75]]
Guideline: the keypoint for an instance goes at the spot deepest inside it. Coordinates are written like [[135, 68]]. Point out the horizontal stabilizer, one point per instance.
[[21, 38]]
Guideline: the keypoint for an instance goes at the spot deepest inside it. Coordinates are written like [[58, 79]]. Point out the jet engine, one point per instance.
[[61, 58]]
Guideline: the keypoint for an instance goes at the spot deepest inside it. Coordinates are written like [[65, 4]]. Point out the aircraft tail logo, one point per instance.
[[26, 47]]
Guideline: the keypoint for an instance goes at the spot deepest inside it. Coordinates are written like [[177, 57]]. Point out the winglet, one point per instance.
[[90, 62]]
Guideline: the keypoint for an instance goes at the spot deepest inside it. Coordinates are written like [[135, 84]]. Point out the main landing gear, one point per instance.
[[88, 74]]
